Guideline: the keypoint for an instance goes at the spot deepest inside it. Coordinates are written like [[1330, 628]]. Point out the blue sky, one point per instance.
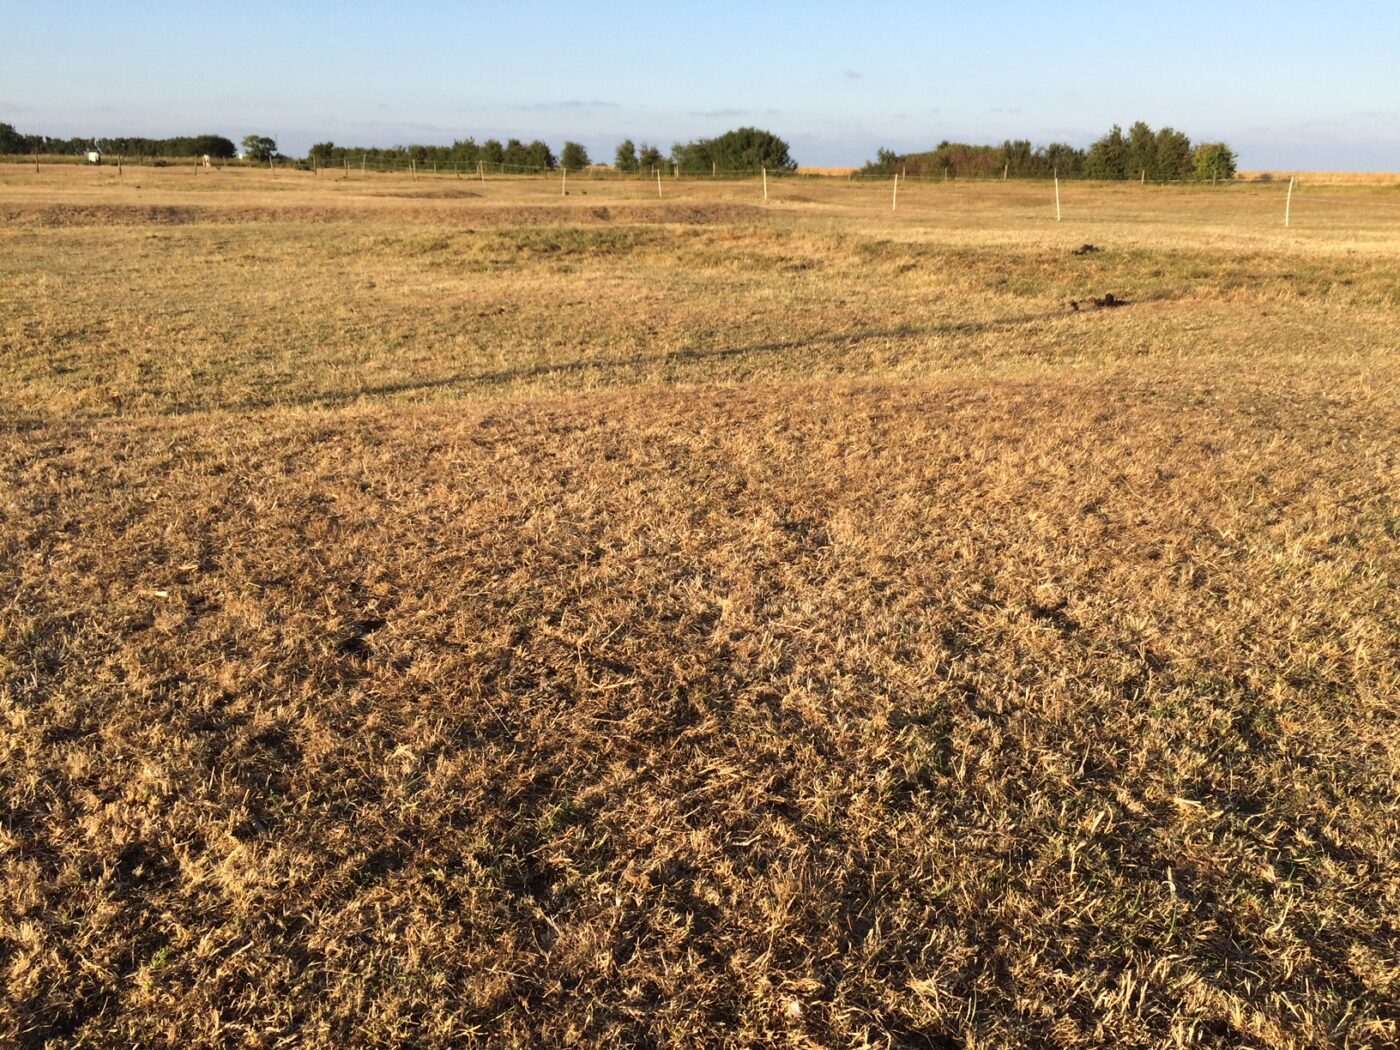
[[1290, 84]]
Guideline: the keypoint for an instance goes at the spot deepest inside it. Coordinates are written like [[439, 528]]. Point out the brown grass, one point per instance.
[[1330, 178], [446, 620]]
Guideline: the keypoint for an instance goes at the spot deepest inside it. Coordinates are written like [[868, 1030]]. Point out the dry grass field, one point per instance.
[[448, 613], [1330, 178]]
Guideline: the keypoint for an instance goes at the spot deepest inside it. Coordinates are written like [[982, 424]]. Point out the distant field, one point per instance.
[[443, 612], [1331, 178]]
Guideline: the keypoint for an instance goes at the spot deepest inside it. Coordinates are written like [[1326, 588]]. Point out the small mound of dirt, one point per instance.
[[1107, 301], [1086, 249]]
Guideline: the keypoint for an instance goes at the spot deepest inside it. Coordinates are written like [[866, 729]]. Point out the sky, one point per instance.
[[1292, 85]]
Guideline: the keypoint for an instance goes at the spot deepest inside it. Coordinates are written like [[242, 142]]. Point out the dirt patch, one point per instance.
[[427, 195]]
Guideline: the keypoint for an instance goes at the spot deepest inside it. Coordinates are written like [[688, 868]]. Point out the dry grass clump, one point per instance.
[[939, 667]]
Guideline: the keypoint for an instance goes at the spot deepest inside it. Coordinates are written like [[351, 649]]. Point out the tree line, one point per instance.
[[740, 150], [1165, 155], [1013, 158], [468, 153], [1161, 155], [12, 141], [744, 149]]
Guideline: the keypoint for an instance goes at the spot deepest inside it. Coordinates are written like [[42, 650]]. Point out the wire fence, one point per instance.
[[1064, 198], [365, 163]]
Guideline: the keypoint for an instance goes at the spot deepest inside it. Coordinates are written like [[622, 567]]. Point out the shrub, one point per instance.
[[1214, 160]]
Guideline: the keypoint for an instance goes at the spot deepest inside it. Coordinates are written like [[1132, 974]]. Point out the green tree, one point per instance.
[[215, 146], [573, 157], [625, 159], [538, 155], [1214, 160], [743, 149], [886, 162], [1142, 150], [1018, 159], [1064, 160], [259, 147], [11, 141], [465, 151], [1108, 157], [649, 157], [322, 153], [492, 152], [1171, 156]]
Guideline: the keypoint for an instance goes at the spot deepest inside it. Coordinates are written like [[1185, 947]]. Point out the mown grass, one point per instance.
[[696, 624]]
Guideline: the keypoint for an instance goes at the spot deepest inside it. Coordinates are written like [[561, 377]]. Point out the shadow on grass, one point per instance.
[[680, 357]]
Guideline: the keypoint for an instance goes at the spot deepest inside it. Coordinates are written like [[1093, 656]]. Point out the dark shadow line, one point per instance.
[[686, 356]]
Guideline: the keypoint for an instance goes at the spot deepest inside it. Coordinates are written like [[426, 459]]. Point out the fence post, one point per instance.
[[658, 181], [1288, 205], [894, 197], [765, 184], [1057, 196]]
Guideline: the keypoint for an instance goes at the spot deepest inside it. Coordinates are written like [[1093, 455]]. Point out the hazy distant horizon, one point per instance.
[[1287, 89]]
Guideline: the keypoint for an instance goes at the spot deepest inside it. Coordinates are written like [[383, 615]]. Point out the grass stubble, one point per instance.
[[441, 613]]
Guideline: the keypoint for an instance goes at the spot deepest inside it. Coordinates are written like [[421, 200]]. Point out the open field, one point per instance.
[[441, 612], [1330, 178]]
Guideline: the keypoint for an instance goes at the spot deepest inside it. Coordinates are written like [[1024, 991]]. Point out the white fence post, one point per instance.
[[1288, 205], [894, 197]]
